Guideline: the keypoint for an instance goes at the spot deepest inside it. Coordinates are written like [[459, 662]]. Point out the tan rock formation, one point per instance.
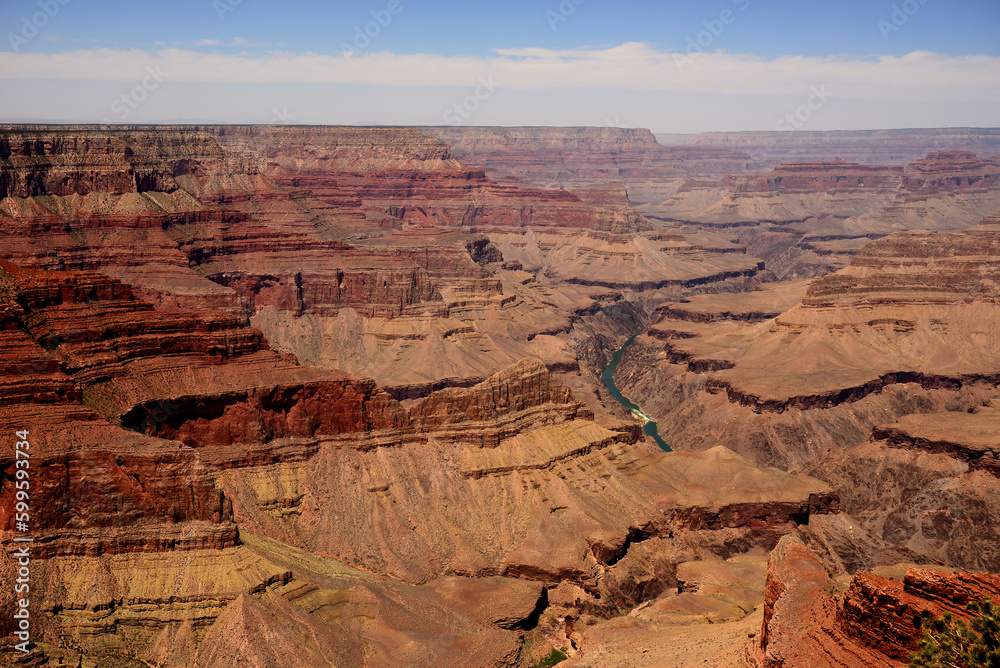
[[904, 334]]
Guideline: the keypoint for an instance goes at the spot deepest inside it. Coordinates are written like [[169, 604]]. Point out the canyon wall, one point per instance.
[[871, 147], [849, 382], [341, 384]]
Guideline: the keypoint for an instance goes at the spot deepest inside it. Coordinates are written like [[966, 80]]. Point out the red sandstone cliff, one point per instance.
[[876, 622]]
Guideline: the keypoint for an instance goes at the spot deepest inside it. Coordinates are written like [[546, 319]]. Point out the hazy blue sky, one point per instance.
[[669, 66]]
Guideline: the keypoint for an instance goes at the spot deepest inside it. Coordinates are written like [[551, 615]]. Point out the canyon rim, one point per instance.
[[395, 334]]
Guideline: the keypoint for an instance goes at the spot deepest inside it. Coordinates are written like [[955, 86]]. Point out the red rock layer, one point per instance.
[[53, 162], [259, 211], [467, 199], [952, 171], [201, 379], [915, 268], [886, 615], [800, 607], [935, 174], [547, 154], [813, 177], [525, 385]]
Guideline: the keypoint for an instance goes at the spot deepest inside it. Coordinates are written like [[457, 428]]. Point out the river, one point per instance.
[[608, 376]]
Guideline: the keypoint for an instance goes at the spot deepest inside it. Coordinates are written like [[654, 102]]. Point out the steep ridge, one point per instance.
[[875, 622], [59, 162]]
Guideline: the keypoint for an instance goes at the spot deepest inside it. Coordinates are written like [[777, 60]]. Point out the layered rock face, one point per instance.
[[812, 177], [806, 219], [381, 169], [565, 155], [60, 162], [883, 613], [854, 382], [286, 198], [199, 494], [316, 395], [135, 549], [808, 618], [254, 221], [952, 171], [494, 481], [92, 480], [870, 147]]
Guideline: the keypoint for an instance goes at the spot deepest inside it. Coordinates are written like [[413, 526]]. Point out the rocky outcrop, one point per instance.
[[800, 608], [525, 385], [814, 177], [65, 162], [952, 172], [886, 614], [915, 269], [678, 282], [968, 437], [876, 622]]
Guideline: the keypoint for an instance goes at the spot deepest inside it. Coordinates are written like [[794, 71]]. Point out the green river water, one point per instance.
[[608, 376]]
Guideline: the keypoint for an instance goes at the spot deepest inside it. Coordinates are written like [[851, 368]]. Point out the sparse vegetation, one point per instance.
[[554, 657], [951, 643]]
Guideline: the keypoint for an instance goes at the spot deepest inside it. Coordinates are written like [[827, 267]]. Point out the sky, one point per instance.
[[670, 66]]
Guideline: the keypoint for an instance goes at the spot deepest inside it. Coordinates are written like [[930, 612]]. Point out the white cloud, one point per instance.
[[240, 41], [207, 42], [915, 77]]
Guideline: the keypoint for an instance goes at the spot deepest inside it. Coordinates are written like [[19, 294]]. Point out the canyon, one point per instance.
[[318, 395]]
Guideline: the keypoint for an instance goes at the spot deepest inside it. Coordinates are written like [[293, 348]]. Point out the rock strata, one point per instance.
[[875, 622]]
